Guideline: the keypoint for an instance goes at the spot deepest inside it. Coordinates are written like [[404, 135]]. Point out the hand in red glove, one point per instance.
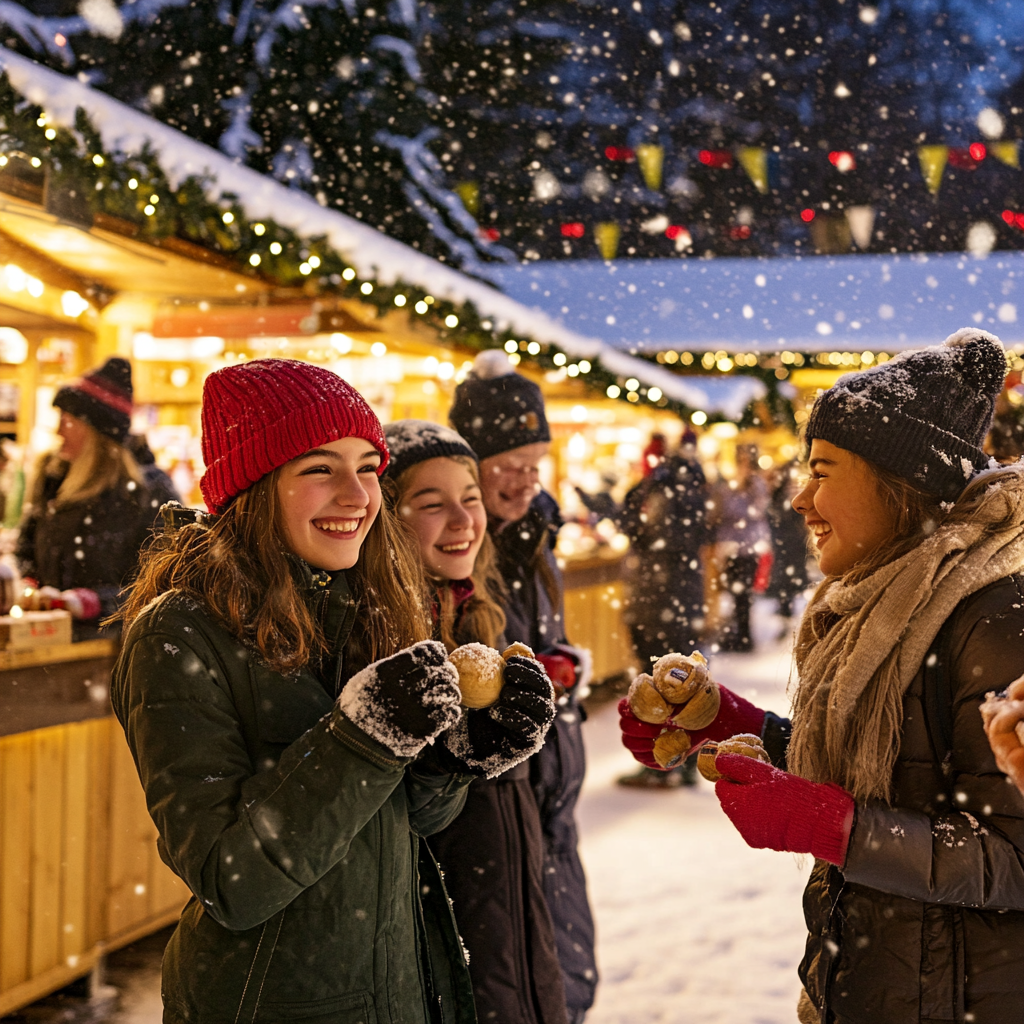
[[774, 810], [735, 715], [561, 670]]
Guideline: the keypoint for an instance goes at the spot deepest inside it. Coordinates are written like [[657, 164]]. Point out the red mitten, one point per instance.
[[774, 810], [735, 715], [561, 669]]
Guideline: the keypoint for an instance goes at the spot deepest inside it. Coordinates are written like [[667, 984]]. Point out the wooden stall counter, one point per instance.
[[595, 597], [79, 869]]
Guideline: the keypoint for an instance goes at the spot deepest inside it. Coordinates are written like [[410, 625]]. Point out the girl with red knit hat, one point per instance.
[[292, 724]]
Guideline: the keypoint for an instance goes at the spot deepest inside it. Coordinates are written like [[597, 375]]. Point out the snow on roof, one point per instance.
[[807, 304], [371, 253]]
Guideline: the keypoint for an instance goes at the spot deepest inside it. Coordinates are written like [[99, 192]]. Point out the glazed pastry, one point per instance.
[[481, 674], [744, 743], [671, 748], [677, 677], [646, 703]]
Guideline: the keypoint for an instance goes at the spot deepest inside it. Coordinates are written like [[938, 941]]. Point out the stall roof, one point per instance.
[[371, 253], [807, 304]]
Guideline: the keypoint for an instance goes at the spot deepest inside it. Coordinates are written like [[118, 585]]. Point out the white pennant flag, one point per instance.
[[862, 222]]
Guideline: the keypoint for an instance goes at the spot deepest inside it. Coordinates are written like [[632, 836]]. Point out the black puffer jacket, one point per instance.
[[93, 543], [925, 922], [492, 857], [557, 770]]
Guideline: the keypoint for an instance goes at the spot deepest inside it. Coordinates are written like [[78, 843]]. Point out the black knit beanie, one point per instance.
[[497, 409], [414, 441], [103, 398], [923, 415]]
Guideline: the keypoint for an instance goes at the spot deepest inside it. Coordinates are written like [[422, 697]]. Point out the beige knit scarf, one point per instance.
[[860, 645]]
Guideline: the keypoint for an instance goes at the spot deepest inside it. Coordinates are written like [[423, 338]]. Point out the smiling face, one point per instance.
[[329, 498], [843, 508], [511, 481], [442, 503]]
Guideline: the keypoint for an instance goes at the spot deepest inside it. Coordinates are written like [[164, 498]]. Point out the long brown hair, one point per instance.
[[482, 616], [239, 570]]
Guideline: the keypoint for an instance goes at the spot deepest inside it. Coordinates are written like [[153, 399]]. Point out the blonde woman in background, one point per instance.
[[90, 510]]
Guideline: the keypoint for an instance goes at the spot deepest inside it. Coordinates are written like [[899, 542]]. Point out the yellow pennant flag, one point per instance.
[[651, 158], [755, 163], [1006, 152], [469, 193], [933, 163], [607, 237]]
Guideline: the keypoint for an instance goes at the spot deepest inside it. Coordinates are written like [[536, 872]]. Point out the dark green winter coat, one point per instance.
[[314, 900]]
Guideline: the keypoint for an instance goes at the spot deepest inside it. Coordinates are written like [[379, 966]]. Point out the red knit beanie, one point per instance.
[[259, 415]]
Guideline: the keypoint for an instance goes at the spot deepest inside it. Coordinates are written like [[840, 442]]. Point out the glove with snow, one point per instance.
[[405, 701], [774, 810], [735, 715], [491, 740]]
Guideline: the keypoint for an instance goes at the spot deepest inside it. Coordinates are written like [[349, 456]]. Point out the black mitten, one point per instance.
[[492, 740], [404, 701]]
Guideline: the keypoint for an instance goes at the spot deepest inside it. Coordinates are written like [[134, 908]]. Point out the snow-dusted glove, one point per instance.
[[405, 701], [735, 715], [491, 740], [774, 810]]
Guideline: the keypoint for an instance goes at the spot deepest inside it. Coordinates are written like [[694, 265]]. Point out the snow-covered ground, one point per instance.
[[692, 924]]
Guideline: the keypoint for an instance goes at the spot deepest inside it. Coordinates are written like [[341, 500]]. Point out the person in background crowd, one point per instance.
[[501, 415], [291, 753], [915, 904], [739, 521], [90, 510], [789, 543], [492, 855], [161, 487], [1005, 731], [664, 516]]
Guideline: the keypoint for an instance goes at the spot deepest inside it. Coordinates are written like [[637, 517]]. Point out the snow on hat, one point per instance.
[[414, 441], [259, 415], [497, 409], [103, 398], [922, 415]]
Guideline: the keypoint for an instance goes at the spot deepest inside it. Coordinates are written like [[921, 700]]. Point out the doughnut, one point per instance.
[[481, 673], [744, 743], [692, 668], [646, 703], [671, 748], [518, 650], [701, 709]]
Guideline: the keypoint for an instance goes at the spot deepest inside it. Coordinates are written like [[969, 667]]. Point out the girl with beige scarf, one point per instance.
[[915, 905]]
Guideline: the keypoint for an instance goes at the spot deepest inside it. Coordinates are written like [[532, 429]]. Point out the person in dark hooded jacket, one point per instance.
[[291, 754], [501, 414], [915, 904], [492, 855]]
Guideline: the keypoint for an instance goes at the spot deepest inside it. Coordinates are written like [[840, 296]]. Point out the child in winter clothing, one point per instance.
[[290, 757], [501, 414], [915, 905], [91, 511], [492, 854]]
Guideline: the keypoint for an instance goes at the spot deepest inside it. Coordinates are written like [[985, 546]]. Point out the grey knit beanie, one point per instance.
[[923, 415], [414, 441]]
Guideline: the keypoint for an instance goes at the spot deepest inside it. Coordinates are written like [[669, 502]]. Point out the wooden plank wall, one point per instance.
[[79, 869], [593, 618]]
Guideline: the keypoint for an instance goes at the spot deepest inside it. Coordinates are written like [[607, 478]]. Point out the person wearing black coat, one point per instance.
[[501, 414], [91, 512], [492, 854]]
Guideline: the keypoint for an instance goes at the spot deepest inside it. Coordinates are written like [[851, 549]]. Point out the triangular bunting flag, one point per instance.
[[1006, 152], [862, 222], [755, 163], [651, 158], [607, 237], [933, 163]]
